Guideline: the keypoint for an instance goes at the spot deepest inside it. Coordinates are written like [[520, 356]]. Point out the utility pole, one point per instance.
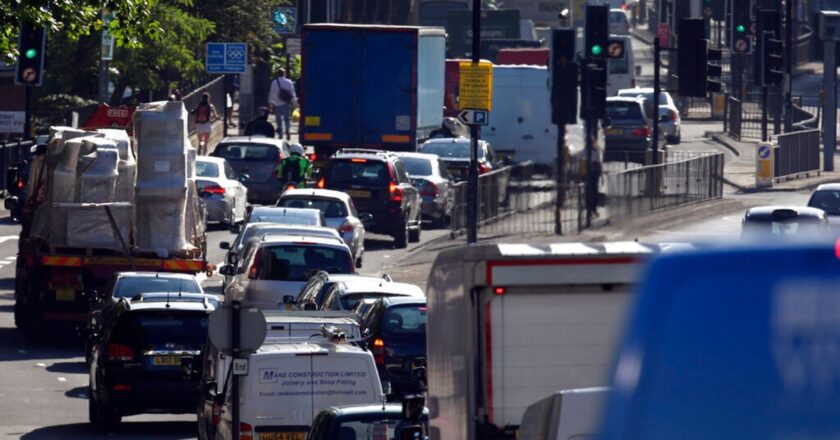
[[472, 179], [657, 90], [790, 29]]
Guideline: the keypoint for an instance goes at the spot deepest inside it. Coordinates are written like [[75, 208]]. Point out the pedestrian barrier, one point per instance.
[[733, 117], [679, 182], [797, 153]]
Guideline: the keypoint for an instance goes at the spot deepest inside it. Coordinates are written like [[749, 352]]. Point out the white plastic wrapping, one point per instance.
[[90, 226], [160, 129], [127, 166], [97, 171], [160, 220]]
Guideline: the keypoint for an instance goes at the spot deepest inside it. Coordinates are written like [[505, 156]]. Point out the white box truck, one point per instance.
[[510, 324]]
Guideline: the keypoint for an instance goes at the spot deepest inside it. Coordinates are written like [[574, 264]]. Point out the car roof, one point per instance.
[[252, 140], [144, 274], [137, 306], [284, 211], [771, 212], [829, 187], [403, 300], [307, 347], [341, 277], [173, 297], [640, 90], [390, 409], [292, 228], [628, 99], [316, 192], [381, 286], [458, 140], [213, 159], [297, 239], [427, 156]]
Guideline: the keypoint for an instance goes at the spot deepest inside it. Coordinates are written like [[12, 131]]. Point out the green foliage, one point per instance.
[[246, 21]]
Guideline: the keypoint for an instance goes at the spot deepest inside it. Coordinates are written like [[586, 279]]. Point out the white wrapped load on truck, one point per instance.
[[509, 324]]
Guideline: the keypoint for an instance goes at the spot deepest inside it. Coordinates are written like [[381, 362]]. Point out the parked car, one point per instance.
[[286, 216], [146, 358], [363, 422], [455, 152], [619, 24], [312, 295], [379, 185], [225, 197], [429, 174], [783, 222], [255, 157], [344, 294], [395, 331], [339, 213], [669, 114], [627, 133], [273, 267], [827, 198]]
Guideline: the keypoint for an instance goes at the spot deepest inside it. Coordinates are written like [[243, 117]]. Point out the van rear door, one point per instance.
[[344, 378], [279, 398]]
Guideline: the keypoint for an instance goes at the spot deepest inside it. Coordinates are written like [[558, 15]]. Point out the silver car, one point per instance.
[[256, 158], [669, 118], [224, 196], [339, 213], [430, 176]]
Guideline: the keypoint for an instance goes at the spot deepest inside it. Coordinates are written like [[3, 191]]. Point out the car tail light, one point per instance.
[[312, 157], [246, 431], [430, 189], [122, 387], [396, 192], [344, 228], [20, 183], [673, 115], [322, 183], [214, 189], [378, 351], [641, 132], [119, 352], [483, 168], [217, 413]]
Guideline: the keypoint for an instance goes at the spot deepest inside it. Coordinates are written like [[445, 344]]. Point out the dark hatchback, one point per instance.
[[379, 185], [395, 332], [254, 158], [364, 422], [146, 359]]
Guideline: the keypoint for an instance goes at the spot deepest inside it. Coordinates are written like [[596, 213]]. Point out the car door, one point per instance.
[[358, 226], [412, 195], [446, 185]]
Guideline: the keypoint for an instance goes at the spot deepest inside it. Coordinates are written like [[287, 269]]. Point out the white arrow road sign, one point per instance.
[[474, 117]]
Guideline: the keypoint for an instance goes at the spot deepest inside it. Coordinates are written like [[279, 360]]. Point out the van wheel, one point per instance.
[[401, 237]]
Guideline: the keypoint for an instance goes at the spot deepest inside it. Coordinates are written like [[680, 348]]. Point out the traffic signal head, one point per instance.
[[714, 70], [597, 30], [691, 57], [771, 51], [564, 77], [741, 26], [29, 70], [594, 90]]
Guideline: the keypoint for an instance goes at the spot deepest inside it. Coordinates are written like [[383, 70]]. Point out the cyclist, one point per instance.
[[294, 170]]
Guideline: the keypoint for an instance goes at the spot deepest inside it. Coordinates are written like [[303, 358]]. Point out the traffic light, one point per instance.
[[30, 62], [766, 20], [564, 77], [714, 69], [597, 31], [691, 57], [741, 27], [594, 89], [771, 60]]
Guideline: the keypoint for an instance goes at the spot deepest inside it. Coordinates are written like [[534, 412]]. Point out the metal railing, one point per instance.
[[797, 153], [216, 88], [733, 117], [642, 190], [10, 154]]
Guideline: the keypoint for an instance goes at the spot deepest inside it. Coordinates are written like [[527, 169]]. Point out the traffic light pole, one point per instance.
[[789, 30], [27, 121], [657, 90], [472, 182], [763, 113], [561, 179]]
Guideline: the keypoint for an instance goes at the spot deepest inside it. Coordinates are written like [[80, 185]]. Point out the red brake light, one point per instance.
[[395, 191], [483, 168], [217, 413], [346, 227], [674, 116], [246, 431], [499, 290], [122, 387], [641, 132], [378, 351], [358, 160], [322, 183], [119, 352], [20, 184], [430, 190], [312, 157], [214, 189]]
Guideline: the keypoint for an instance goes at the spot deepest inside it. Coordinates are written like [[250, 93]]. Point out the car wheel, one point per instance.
[[359, 260], [401, 236], [103, 419], [414, 234]]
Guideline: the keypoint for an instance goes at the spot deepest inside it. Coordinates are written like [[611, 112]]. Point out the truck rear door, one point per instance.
[[388, 89]]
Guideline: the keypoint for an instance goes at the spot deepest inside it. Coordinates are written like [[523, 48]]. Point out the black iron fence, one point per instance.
[[797, 153], [11, 153], [676, 183], [732, 122]]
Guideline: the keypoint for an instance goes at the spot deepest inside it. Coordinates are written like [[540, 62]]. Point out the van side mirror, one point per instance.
[[210, 392], [226, 270], [224, 245]]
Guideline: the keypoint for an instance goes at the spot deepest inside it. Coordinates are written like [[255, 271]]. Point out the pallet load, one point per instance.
[[127, 166]]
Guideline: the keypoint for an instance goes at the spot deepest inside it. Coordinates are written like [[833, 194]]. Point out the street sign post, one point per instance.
[[252, 329], [476, 85], [764, 165], [226, 57], [474, 117], [293, 46]]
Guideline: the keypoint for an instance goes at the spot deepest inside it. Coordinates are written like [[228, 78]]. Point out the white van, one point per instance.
[[289, 383], [621, 72]]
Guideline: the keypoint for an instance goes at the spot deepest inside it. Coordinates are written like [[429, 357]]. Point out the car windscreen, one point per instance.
[[350, 300], [158, 327], [248, 152], [827, 200], [358, 172], [128, 287], [206, 169], [405, 320], [624, 111], [617, 17], [360, 427], [328, 207], [299, 262], [417, 166], [453, 150]]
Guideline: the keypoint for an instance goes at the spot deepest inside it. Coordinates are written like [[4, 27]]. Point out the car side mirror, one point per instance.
[[244, 178], [210, 392], [10, 203], [289, 299], [366, 217], [224, 245], [226, 270]]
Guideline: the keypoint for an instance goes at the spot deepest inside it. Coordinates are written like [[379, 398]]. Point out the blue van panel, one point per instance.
[[732, 344], [331, 72], [387, 92]]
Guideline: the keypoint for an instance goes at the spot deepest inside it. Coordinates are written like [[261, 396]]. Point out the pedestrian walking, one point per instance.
[[205, 114], [282, 98], [260, 126]]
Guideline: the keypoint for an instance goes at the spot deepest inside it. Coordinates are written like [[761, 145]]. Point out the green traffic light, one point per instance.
[[597, 49], [740, 28], [30, 53]]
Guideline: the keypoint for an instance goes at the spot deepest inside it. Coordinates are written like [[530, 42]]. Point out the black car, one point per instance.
[[366, 421], [315, 291], [395, 332], [379, 185], [146, 358]]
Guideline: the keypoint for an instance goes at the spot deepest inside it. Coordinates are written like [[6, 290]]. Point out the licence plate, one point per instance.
[[358, 193], [167, 360], [65, 295], [282, 436], [614, 131]]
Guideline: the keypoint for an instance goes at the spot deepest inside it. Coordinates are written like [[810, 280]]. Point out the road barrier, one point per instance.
[[797, 153], [638, 191]]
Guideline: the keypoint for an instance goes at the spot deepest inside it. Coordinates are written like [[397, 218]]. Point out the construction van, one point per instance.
[[511, 324]]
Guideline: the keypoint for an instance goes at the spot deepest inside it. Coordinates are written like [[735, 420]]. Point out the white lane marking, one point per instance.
[[386, 256], [41, 364], [6, 238], [61, 379], [11, 258]]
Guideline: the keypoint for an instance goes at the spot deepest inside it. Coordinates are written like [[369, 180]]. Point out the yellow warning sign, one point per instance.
[[476, 85]]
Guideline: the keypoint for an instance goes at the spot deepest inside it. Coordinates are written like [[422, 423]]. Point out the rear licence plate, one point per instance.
[[614, 131], [65, 295], [166, 360], [358, 193], [282, 436]]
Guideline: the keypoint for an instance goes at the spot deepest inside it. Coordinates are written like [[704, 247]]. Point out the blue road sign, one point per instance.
[[226, 57], [474, 117], [284, 20], [764, 151]]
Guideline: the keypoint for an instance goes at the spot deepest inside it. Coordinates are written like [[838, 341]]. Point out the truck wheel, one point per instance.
[[401, 237]]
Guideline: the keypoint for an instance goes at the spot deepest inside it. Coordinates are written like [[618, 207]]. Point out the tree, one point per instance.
[[246, 21], [76, 18]]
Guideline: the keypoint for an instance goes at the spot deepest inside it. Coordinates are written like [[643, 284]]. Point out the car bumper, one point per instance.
[[433, 208], [264, 192], [383, 222], [156, 395], [218, 209], [670, 130]]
